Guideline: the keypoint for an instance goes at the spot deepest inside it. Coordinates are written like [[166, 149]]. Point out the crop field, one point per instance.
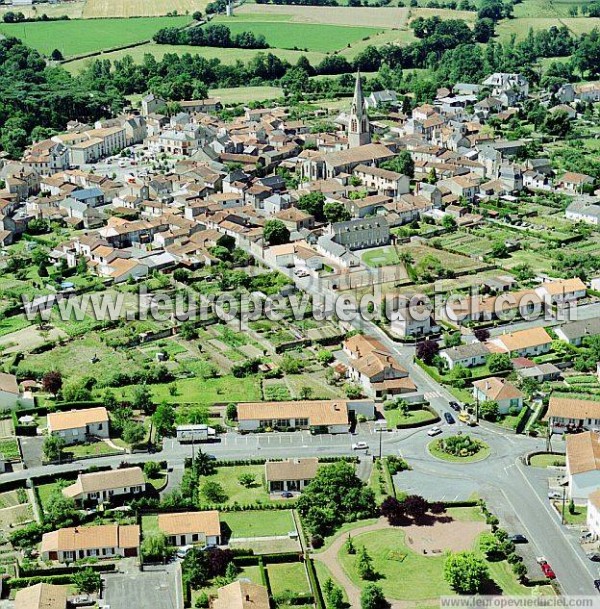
[[79, 36], [535, 8], [145, 8], [520, 27], [466, 244], [247, 94], [308, 36]]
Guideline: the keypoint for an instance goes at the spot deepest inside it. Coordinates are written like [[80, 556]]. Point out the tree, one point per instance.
[[52, 447], [133, 433], [427, 350], [499, 250], [154, 547], [188, 331], [364, 564], [465, 572], [336, 495], [403, 163], [164, 419], [275, 232], [416, 506], [60, 511], [483, 29], [203, 464], [325, 356], [152, 469], [247, 480], [352, 391], [481, 334], [489, 411], [334, 596], [87, 581], [499, 362], [336, 212], [313, 204], [393, 510], [372, 597], [231, 412], [448, 222], [305, 393], [212, 491], [231, 572], [52, 382], [452, 339], [142, 399]]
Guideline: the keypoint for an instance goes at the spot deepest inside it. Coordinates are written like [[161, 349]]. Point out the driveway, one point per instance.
[[32, 450], [156, 587]]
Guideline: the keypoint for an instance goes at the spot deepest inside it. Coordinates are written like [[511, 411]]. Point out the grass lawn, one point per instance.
[[344, 530], [252, 573], [227, 477], [158, 482], [546, 460], [405, 575], [578, 517], [204, 391], [46, 490], [482, 454], [94, 449], [323, 574], [246, 94], [297, 36], [12, 324], [149, 524], [77, 36], [466, 514], [412, 417], [288, 576], [10, 449], [259, 524]]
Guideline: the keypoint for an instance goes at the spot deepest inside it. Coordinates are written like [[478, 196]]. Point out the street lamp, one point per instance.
[[380, 430]]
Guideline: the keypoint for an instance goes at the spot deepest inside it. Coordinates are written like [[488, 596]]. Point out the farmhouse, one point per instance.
[[79, 425], [241, 595], [474, 354], [583, 464], [566, 415], [534, 341], [98, 487], [290, 475], [495, 389], [41, 596], [317, 415], [102, 541], [191, 528]]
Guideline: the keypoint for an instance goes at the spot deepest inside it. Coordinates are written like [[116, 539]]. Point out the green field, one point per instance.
[[412, 417], [288, 576], [259, 524], [307, 36], [79, 36], [227, 477]]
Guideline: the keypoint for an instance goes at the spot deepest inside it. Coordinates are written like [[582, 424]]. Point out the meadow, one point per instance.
[[78, 36]]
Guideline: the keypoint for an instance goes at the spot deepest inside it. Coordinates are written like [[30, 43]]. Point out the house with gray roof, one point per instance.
[[584, 209], [473, 354], [574, 332]]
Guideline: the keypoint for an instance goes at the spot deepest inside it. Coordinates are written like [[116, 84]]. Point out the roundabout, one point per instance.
[[459, 449]]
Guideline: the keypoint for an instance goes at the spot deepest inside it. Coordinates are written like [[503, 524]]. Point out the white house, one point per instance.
[[10, 395], [583, 464], [98, 487], [593, 513], [474, 354], [499, 390], [191, 528], [291, 474], [575, 331], [77, 426], [534, 341], [412, 321], [562, 291]]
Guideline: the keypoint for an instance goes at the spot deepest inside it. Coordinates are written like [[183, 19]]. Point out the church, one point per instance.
[[360, 151]]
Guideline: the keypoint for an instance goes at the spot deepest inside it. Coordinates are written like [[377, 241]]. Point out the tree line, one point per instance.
[[217, 35]]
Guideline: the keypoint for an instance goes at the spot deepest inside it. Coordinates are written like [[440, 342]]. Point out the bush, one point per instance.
[[316, 541]]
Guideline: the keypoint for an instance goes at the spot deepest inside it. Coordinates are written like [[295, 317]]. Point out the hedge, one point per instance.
[[56, 571], [522, 419], [314, 584], [277, 559], [24, 582]]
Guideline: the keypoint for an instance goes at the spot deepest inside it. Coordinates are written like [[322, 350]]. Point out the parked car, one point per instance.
[[287, 495], [434, 431], [360, 446], [183, 551], [594, 556], [585, 536], [455, 406], [554, 495], [518, 538], [449, 418], [597, 584]]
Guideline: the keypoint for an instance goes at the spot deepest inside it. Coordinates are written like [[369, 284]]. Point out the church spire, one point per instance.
[[358, 125]]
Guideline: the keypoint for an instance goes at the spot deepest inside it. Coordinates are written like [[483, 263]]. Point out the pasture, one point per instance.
[[78, 36]]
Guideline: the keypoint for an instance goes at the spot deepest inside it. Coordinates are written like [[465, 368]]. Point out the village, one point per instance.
[[157, 458]]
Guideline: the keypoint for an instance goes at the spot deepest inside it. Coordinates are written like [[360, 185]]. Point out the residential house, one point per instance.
[[567, 415], [41, 596], [538, 372], [412, 321], [593, 514], [467, 356], [241, 595], [574, 332], [291, 474], [384, 181], [10, 394], [360, 233], [329, 416], [584, 209], [191, 528], [100, 541], [98, 487], [499, 390], [77, 426], [574, 182], [562, 291], [534, 341], [508, 88], [583, 465]]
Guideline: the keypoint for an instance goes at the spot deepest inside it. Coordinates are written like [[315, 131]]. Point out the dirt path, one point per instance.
[[450, 535]]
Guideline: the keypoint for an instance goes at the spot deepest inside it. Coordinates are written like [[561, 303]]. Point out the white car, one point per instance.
[[434, 431], [360, 446], [183, 551]]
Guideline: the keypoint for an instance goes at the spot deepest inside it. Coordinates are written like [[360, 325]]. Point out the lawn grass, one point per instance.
[[288, 577], [412, 417], [323, 574], [227, 477], [466, 514], [8, 325], [149, 524], [578, 517], [251, 573], [259, 524], [483, 453], [78, 36], [546, 460], [93, 449]]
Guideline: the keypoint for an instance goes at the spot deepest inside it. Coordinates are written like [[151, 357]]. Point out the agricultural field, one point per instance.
[[79, 36], [140, 8], [520, 27]]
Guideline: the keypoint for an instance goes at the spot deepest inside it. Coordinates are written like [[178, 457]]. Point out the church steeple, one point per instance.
[[358, 126]]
